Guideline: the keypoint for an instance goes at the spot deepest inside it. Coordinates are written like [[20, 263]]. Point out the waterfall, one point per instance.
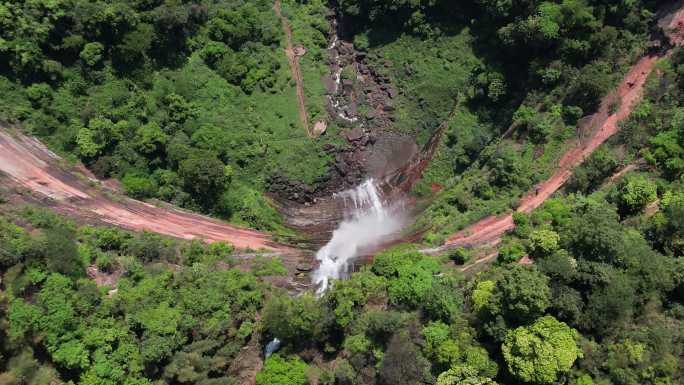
[[368, 221], [272, 347]]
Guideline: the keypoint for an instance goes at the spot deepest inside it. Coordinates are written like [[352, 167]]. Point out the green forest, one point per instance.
[[193, 103]]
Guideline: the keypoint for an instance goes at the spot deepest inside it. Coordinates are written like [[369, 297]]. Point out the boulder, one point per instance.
[[304, 266], [354, 134], [319, 128]]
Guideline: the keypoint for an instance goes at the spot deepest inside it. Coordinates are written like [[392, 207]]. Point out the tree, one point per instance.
[[482, 293], [463, 375], [138, 186], [541, 352], [204, 176], [39, 94], [519, 295], [413, 284], [346, 297], [444, 301], [594, 233], [178, 111], [402, 363], [58, 248], [673, 211], [98, 135], [197, 363], [507, 170], [510, 252], [92, 54], [439, 346], [588, 87], [86, 142], [611, 306], [14, 242], [522, 293], [635, 193], [136, 43], [543, 242], [151, 138], [296, 321], [668, 153], [586, 178], [279, 370]]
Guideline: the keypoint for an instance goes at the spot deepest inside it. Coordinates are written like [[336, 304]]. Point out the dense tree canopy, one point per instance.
[[541, 352]]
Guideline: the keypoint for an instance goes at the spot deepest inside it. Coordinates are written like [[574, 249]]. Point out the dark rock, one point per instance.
[[304, 266], [388, 108], [342, 168], [353, 109], [358, 157], [345, 48], [329, 83], [354, 134]]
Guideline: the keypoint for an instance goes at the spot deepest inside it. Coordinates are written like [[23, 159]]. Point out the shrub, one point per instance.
[[459, 255], [282, 371], [104, 262], [138, 186], [635, 193]]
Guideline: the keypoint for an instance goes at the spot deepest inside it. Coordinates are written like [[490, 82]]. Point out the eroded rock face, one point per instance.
[[360, 100]]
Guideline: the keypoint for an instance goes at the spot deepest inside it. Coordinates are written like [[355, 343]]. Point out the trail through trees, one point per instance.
[[602, 126], [27, 163]]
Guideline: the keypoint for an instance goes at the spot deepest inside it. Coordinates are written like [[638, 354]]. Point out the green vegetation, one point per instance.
[[588, 311], [529, 69], [542, 351], [279, 371], [191, 102]]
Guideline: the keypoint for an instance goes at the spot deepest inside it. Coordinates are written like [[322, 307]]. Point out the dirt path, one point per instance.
[[620, 173], [602, 126], [28, 164], [293, 60]]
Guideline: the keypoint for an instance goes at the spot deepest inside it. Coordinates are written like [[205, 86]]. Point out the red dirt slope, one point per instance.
[[601, 126], [29, 164]]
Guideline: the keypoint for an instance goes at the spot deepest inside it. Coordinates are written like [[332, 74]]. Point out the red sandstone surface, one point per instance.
[[602, 126], [28, 163]]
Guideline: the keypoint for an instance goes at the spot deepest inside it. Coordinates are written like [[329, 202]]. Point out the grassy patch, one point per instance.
[[430, 75]]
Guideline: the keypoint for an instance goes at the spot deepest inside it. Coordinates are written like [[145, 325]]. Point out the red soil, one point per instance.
[[602, 126], [29, 164]]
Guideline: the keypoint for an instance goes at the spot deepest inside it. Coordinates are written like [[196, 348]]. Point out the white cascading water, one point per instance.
[[368, 222]]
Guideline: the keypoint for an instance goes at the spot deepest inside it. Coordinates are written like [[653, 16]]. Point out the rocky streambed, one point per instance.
[[360, 100]]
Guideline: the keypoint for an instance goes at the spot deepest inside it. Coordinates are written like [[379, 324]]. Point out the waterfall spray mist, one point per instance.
[[368, 222]]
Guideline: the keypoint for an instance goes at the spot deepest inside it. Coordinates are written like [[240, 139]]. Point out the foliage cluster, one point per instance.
[[189, 102]]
